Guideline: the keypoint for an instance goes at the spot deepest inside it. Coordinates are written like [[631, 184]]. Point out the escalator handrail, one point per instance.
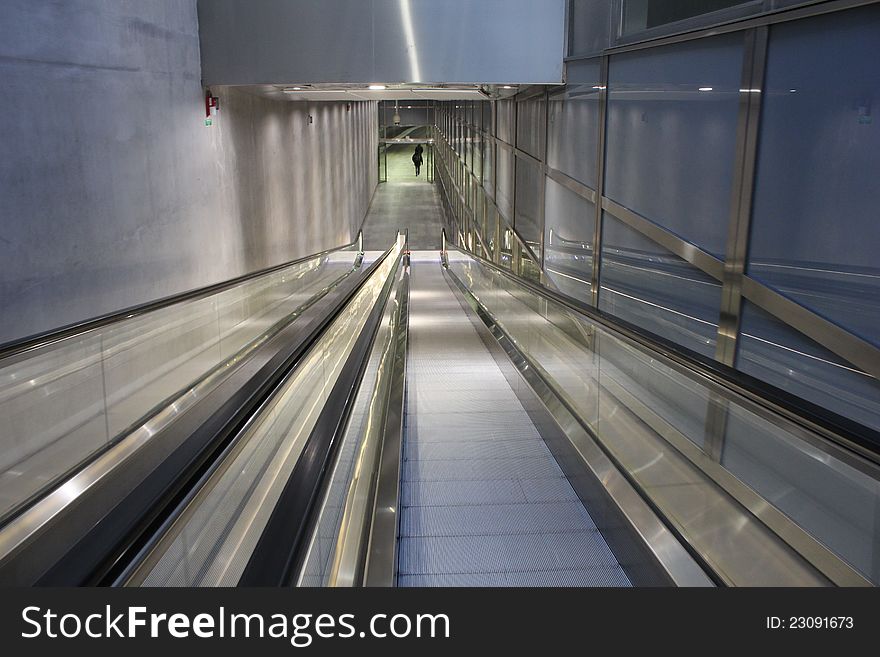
[[282, 547], [135, 568], [45, 338]]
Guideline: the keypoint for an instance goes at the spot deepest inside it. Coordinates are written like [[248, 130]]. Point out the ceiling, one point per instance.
[[353, 92]]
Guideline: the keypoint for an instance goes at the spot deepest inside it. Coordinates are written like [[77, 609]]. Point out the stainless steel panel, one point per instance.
[[511, 41]]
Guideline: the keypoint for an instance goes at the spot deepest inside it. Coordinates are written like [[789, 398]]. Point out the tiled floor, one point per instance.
[[484, 502], [404, 202]]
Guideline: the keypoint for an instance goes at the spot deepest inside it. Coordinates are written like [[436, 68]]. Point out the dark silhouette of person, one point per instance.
[[417, 158]]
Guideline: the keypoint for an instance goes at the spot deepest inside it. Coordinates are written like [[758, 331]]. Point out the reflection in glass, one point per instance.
[[568, 240], [505, 116], [641, 15], [63, 402], [670, 146], [648, 415], [778, 354], [815, 228], [590, 26], [504, 191], [527, 221], [646, 285], [573, 124], [530, 125]]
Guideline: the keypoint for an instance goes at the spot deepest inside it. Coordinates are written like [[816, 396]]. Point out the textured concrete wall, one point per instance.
[[112, 190]]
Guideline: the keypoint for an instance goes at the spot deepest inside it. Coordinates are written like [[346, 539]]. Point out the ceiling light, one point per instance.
[[705, 89], [376, 87]]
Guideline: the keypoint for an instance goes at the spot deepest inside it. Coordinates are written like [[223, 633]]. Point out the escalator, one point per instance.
[[429, 419], [483, 501]]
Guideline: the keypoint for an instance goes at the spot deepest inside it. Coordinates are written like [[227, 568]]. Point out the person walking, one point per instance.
[[417, 158]]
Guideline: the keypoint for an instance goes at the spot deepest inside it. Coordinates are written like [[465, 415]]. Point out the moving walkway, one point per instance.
[[410, 419]]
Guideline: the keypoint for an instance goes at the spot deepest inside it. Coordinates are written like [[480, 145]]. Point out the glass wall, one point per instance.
[[573, 124], [527, 219], [676, 104], [504, 182], [815, 228], [700, 141], [646, 285], [569, 221], [505, 113], [590, 26], [639, 15], [776, 353], [531, 126]]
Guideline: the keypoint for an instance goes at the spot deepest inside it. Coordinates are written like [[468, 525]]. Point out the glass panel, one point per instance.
[[529, 181], [671, 136], [505, 113], [815, 231], [477, 152], [504, 193], [64, 402], [573, 124], [644, 14], [838, 505], [569, 221], [491, 231], [507, 242], [646, 285], [489, 167], [778, 354], [529, 268], [530, 126], [218, 536], [590, 26]]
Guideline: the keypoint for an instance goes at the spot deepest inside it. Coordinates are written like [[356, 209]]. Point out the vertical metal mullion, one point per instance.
[[754, 59], [751, 89], [516, 249], [543, 172], [494, 122], [600, 181]]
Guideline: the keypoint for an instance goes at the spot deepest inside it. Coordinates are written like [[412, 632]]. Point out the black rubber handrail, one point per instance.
[[281, 549], [841, 430], [45, 338]]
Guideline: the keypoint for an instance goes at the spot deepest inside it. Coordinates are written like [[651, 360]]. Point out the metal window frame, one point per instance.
[[600, 182], [730, 272], [742, 186]]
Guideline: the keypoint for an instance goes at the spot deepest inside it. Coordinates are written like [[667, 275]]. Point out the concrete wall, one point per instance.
[[465, 41], [112, 190]]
